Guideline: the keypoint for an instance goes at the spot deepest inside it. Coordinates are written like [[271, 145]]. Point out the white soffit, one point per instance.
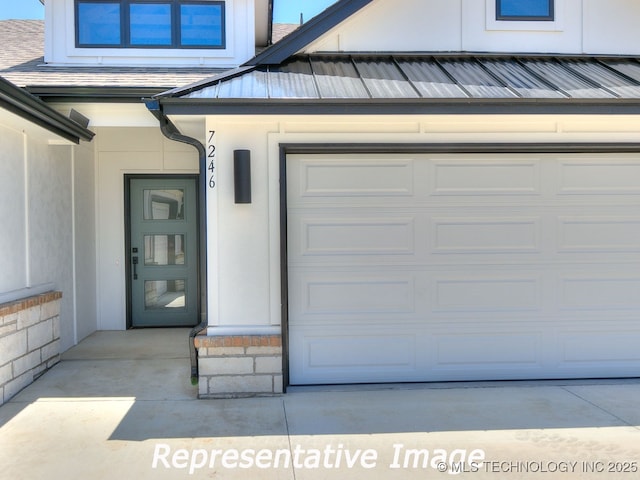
[[112, 114]]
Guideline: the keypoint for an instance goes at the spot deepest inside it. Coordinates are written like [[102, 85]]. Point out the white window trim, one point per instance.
[[155, 54], [556, 25]]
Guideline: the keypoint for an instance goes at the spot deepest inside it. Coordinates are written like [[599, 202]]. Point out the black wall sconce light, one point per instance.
[[242, 175]]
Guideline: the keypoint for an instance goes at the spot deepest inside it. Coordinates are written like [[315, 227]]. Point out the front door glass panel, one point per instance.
[[163, 204], [159, 294], [163, 250]]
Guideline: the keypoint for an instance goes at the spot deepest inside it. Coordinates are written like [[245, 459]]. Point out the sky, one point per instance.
[[23, 9], [285, 11], [288, 11]]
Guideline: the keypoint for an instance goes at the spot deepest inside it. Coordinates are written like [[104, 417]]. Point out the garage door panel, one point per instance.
[[353, 356], [363, 239], [593, 348], [486, 235], [480, 349], [357, 236], [358, 294], [324, 178], [481, 177], [600, 292], [487, 293], [362, 351], [611, 234], [598, 176]]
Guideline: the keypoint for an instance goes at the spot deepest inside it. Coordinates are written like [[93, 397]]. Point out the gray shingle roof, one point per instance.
[[281, 30], [22, 63]]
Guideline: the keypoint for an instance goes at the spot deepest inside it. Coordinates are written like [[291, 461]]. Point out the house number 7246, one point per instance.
[[211, 157]]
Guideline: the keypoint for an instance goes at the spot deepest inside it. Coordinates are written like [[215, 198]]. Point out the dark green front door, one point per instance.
[[163, 256]]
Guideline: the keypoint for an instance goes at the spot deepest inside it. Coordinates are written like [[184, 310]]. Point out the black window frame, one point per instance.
[[526, 18], [176, 25]]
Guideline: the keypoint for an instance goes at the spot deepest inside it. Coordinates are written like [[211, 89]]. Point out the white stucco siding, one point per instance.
[[50, 194], [84, 192], [579, 26], [50, 222], [606, 31], [240, 241], [382, 26], [13, 207], [48, 240]]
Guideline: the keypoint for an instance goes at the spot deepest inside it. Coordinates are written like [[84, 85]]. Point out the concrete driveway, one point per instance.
[[120, 406]]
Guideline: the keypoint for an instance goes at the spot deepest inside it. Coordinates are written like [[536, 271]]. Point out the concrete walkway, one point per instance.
[[120, 406]]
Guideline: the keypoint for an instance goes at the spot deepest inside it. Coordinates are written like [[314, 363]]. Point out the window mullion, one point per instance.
[[176, 25], [125, 23]]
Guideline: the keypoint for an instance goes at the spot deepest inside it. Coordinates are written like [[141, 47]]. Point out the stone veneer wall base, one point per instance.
[[29, 341], [239, 366]]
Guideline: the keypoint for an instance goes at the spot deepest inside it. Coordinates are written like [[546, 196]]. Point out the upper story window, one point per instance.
[[149, 23], [525, 10]]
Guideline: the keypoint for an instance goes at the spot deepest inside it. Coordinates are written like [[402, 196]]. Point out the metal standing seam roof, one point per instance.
[[428, 76]]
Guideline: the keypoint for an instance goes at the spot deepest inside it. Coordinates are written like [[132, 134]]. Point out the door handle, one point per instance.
[[134, 260]]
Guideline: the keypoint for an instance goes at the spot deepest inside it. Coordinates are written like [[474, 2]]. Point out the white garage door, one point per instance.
[[476, 267]]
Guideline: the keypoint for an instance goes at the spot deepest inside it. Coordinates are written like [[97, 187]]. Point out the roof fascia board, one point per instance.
[[308, 32], [93, 94], [31, 108], [182, 106]]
